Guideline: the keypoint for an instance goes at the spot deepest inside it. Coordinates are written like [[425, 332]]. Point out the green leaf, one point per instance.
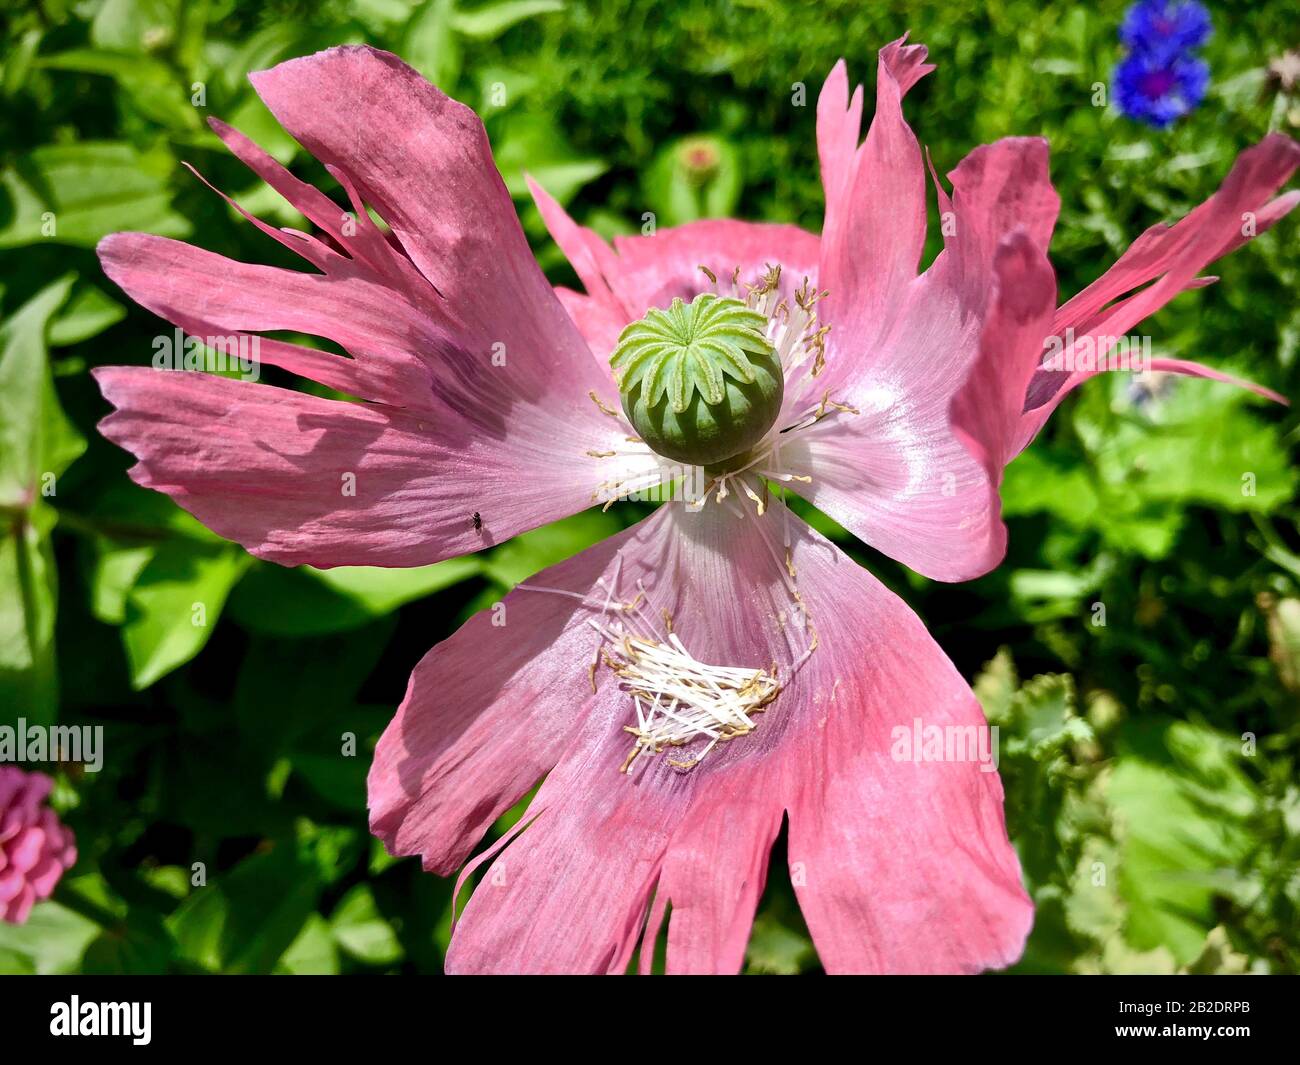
[[309, 602], [533, 145], [519, 558], [37, 443], [777, 950], [134, 25], [174, 605], [52, 941], [113, 574], [141, 944], [294, 694], [1094, 907], [36, 439], [76, 194], [28, 599], [1196, 442], [995, 687], [1283, 618], [18, 62], [86, 315], [431, 45], [1040, 480], [363, 931], [1181, 804], [1218, 958], [153, 88], [336, 778], [169, 879], [313, 953], [245, 919], [491, 20]]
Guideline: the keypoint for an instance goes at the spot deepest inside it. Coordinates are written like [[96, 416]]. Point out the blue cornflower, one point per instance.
[[1159, 88], [1164, 27], [1162, 78]]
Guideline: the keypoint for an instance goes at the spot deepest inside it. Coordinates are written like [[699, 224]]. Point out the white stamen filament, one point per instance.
[[678, 699]]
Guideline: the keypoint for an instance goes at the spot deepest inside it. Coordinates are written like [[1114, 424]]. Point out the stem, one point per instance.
[[71, 899]]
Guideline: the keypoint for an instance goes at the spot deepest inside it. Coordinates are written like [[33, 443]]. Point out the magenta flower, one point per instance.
[[688, 685], [35, 847]]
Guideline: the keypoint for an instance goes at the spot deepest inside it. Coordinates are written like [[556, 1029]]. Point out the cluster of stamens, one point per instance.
[[679, 701]]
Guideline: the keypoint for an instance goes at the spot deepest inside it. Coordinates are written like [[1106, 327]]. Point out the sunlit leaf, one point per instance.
[[79, 193]]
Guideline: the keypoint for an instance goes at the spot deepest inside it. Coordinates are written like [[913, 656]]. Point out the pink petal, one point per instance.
[[600, 323], [659, 267], [1171, 257], [997, 188], [986, 412], [353, 230], [714, 872], [20, 908], [45, 874], [1208, 232], [300, 479], [592, 259], [839, 125], [896, 474], [569, 891], [423, 162], [25, 851], [638, 273], [487, 713], [491, 373], [1195, 369], [209, 295], [875, 201]]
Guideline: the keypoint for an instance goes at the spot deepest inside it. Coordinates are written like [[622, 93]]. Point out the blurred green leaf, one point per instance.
[[37, 443], [52, 941], [36, 438], [519, 558], [430, 45], [1181, 804], [152, 86], [307, 601], [1198, 442], [87, 314], [77, 194], [245, 919], [140, 944], [174, 605], [532, 145], [18, 62], [313, 953], [777, 950], [362, 930], [491, 20], [134, 25]]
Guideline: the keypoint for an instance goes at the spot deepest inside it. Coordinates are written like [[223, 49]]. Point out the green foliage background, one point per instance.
[[1150, 761]]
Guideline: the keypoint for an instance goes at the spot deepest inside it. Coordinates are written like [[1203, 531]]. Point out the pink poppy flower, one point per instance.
[[688, 685], [36, 849]]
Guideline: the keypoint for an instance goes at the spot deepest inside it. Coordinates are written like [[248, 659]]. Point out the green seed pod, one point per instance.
[[700, 381]]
